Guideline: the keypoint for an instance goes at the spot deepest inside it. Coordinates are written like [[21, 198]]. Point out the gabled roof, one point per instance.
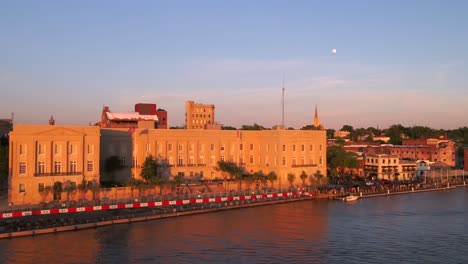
[[130, 116]]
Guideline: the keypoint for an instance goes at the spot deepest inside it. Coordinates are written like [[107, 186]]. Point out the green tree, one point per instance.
[[312, 180], [319, 176], [228, 128], [340, 142], [348, 128], [303, 177], [272, 177], [254, 127], [83, 187], [291, 178], [263, 179], [4, 143], [250, 179], [94, 187], [44, 192], [374, 131], [395, 133], [70, 188], [232, 169], [338, 159], [149, 171], [57, 190]]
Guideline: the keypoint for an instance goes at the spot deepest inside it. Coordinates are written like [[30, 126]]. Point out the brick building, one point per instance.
[[432, 150], [200, 116]]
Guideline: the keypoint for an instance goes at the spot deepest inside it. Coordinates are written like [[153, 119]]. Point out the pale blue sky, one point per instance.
[[396, 62]]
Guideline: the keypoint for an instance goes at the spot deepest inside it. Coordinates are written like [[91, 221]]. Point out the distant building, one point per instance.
[[390, 167], [150, 109], [432, 150], [200, 116], [384, 139], [422, 168], [341, 134]]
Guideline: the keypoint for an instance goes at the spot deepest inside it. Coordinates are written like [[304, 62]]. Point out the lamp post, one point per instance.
[[463, 176]]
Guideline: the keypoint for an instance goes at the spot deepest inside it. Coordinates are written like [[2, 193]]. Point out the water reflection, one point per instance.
[[72, 247], [418, 228]]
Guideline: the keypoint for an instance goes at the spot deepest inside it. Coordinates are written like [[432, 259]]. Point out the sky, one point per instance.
[[397, 62]]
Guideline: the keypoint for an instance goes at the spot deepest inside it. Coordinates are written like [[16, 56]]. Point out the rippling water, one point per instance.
[[417, 228]]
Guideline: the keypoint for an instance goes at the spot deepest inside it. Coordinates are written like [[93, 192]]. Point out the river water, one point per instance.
[[415, 228]]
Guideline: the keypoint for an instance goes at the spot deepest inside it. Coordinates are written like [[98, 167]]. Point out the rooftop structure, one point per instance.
[[143, 112]]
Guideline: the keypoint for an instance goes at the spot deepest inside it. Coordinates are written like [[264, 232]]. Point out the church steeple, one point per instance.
[[316, 119], [52, 120]]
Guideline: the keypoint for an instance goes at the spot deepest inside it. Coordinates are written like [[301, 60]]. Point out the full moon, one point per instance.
[[333, 51]]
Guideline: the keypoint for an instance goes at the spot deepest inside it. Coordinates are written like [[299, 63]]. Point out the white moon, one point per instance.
[[333, 51]]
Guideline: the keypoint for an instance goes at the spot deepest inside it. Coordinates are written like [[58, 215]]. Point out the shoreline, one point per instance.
[[214, 206], [411, 191], [231, 206]]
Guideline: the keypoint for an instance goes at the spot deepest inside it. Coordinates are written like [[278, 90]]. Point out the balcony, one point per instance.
[[48, 174], [303, 165]]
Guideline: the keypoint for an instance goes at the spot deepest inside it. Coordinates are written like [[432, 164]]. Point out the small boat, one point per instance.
[[347, 198], [350, 198]]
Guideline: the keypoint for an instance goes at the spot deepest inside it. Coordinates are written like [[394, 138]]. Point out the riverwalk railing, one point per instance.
[[162, 201], [204, 198]]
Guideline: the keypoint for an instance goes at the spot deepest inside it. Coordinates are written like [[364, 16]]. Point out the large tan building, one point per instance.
[[41, 155], [195, 153]]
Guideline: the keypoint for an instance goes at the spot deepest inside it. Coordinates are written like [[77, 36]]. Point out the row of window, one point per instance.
[[41, 186], [200, 116], [41, 167], [408, 152], [204, 110], [383, 161], [241, 147], [201, 160], [41, 149]]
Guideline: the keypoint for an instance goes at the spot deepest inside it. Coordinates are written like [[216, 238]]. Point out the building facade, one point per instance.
[[389, 167], [194, 154], [41, 155], [443, 150], [199, 116]]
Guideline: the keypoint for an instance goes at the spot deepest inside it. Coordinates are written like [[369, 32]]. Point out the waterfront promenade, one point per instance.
[[42, 221]]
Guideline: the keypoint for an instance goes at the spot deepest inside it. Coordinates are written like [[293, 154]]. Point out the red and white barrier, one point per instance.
[[147, 204]]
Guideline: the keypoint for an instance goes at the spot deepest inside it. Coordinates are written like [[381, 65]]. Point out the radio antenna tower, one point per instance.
[[282, 104]]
